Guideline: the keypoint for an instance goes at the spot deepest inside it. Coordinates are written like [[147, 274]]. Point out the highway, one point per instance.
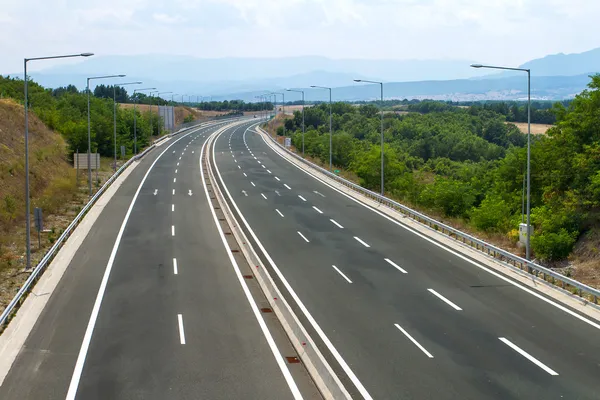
[[400, 316], [152, 306]]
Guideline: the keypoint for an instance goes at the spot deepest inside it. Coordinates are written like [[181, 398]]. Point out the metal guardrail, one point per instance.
[[574, 287], [50, 254]]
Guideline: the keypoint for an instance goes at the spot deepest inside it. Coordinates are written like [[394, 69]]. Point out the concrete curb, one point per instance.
[[321, 372]]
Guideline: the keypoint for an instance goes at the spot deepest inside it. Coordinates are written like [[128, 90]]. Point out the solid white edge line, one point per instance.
[[303, 237], [428, 354], [342, 274], [279, 212], [359, 240], [87, 338], [175, 270], [393, 264], [336, 354], [181, 332], [263, 326], [443, 247], [317, 210], [285, 184], [262, 194], [445, 300], [528, 356], [302, 198], [336, 224]]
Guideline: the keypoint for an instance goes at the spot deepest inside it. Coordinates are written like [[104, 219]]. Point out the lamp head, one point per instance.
[[476, 66], [86, 54], [358, 80]]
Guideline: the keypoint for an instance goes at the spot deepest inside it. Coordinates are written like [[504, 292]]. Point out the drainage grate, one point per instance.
[[292, 360], [266, 310], [248, 277]]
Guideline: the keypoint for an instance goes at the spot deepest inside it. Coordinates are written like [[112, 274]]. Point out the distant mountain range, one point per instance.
[[554, 76]]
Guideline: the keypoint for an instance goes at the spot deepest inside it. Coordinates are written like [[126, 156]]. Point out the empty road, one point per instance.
[[399, 315]]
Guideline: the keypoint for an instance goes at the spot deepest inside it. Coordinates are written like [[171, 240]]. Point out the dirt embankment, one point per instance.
[[53, 188]]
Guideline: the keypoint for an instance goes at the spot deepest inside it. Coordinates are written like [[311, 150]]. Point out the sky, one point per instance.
[[510, 32]]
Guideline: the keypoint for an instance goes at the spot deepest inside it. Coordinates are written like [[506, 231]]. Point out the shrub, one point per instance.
[[552, 246], [492, 215]]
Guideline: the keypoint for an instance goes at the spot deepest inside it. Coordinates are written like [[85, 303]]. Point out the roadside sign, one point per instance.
[[288, 142], [39, 224]]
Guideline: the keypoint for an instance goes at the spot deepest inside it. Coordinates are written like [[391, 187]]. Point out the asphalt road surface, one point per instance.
[[173, 321], [409, 319]]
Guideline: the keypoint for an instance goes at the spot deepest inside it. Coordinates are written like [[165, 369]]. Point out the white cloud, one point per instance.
[[507, 31], [168, 19]]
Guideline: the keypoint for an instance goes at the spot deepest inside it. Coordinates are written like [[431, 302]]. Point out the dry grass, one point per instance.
[[53, 185], [536, 129], [180, 112]]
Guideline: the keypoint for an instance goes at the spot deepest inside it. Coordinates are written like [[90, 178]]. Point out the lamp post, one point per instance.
[[27, 205], [330, 124], [115, 118], [300, 91], [89, 154], [135, 118], [381, 111], [528, 71]]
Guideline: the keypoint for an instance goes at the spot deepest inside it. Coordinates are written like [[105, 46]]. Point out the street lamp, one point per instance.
[[89, 154], [330, 125], [135, 118], [115, 117], [381, 110], [27, 205], [527, 242], [300, 91]]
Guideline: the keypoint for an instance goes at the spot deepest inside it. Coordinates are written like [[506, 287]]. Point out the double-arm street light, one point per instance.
[[300, 91], [27, 205], [115, 117], [135, 118], [528, 71], [330, 123], [381, 111], [89, 154]]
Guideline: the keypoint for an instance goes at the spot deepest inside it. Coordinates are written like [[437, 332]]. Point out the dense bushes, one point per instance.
[[65, 110], [470, 163]]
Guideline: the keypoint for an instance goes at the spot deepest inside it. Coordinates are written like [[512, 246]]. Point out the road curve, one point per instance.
[[170, 320], [407, 318]]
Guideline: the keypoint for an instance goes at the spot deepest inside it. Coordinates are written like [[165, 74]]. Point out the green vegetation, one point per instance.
[[233, 105], [65, 110], [467, 163]]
